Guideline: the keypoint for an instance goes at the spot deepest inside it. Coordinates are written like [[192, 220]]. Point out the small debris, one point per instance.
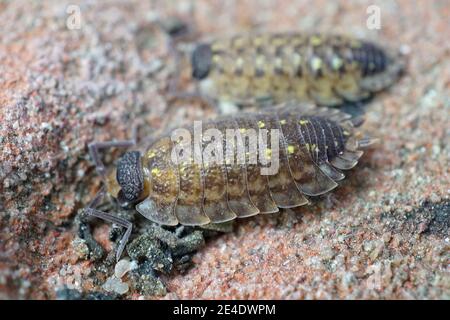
[[114, 284], [81, 248], [123, 266], [145, 281], [73, 294], [226, 107]]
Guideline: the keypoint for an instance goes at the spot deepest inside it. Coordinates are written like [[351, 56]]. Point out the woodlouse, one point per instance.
[[315, 144], [325, 69]]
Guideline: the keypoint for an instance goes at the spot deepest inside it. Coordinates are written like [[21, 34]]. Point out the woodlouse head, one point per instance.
[[201, 61], [128, 185]]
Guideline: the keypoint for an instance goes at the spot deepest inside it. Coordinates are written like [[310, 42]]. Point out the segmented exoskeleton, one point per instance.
[[315, 144], [326, 69]]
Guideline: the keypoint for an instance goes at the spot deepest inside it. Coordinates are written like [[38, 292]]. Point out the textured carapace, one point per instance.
[[325, 69], [315, 144]]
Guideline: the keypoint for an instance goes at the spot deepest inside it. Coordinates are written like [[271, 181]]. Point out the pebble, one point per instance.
[[123, 266], [228, 107], [114, 284], [435, 198]]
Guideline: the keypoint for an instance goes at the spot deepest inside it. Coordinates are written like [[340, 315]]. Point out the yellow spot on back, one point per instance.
[[268, 153], [239, 42], [260, 60], [291, 149], [218, 45], [156, 171], [316, 63], [355, 43], [315, 40], [261, 124], [151, 154], [346, 133], [282, 121], [278, 62], [336, 63], [297, 59], [303, 122], [216, 59], [243, 130], [277, 41], [258, 41]]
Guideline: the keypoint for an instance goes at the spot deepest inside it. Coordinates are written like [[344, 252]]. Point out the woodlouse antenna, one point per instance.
[[91, 211], [94, 148]]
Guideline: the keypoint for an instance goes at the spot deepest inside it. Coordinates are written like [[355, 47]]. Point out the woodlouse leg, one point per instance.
[[174, 93], [179, 32], [91, 211], [354, 108], [94, 148], [174, 80]]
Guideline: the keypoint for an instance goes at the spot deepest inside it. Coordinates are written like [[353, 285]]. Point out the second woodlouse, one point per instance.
[[325, 69], [315, 145]]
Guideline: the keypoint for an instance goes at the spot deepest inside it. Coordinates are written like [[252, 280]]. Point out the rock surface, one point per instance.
[[383, 234]]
